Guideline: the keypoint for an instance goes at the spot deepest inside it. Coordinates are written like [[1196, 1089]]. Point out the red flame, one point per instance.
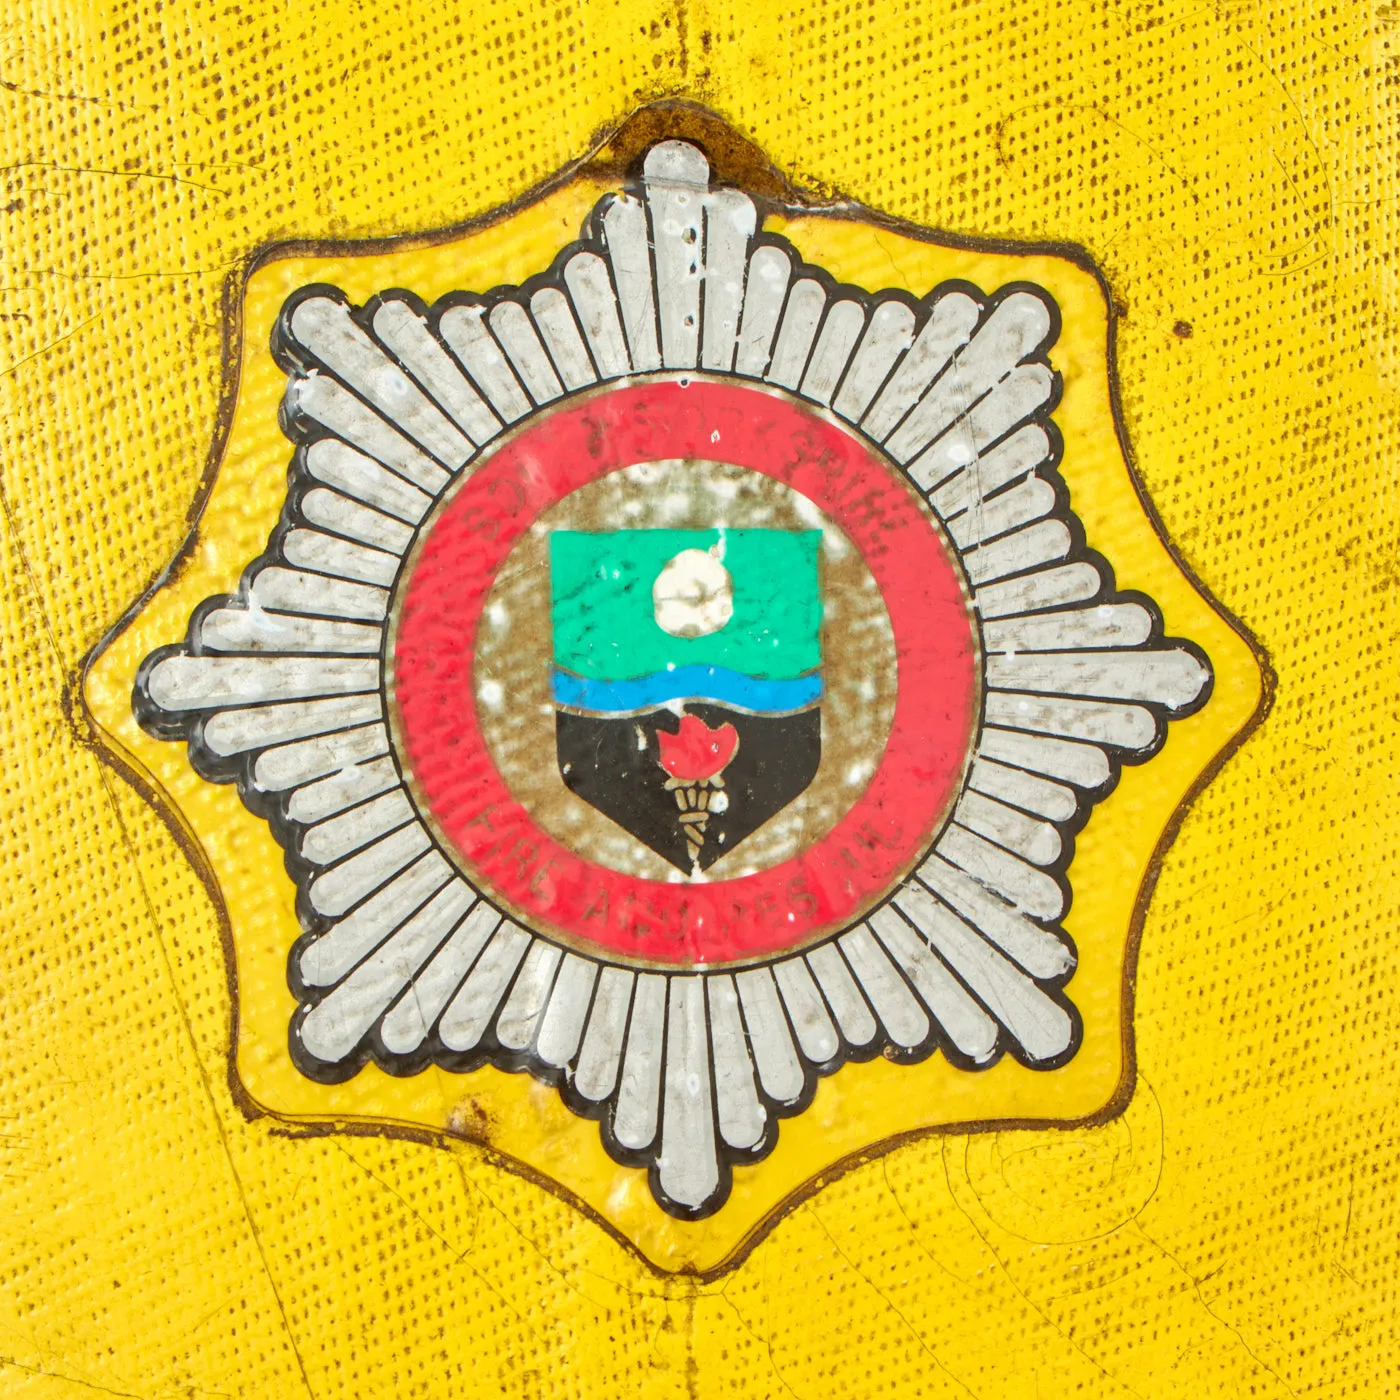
[[696, 751]]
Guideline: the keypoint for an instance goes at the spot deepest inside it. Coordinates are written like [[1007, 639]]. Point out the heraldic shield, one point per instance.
[[687, 680], [681, 681]]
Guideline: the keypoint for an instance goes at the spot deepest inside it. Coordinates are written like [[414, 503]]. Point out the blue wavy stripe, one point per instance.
[[714, 683]]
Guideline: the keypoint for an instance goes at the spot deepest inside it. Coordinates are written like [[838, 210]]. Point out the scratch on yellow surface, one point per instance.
[[1231, 167]]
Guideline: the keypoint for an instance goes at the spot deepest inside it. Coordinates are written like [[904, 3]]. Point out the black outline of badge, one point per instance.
[[189, 724]]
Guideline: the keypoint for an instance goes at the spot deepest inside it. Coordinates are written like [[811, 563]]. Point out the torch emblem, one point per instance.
[[695, 758]]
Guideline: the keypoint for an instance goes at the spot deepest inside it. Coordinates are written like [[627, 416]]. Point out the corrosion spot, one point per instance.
[[469, 1120]]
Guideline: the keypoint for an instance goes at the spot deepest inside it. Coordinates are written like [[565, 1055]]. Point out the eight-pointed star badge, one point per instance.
[[683, 679]]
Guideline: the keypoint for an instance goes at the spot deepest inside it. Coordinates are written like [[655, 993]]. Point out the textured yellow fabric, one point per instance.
[[1231, 167]]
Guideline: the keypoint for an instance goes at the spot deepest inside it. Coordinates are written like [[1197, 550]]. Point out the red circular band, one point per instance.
[[541, 881]]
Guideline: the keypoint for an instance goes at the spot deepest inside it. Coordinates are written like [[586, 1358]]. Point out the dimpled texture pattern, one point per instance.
[[1231, 167]]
